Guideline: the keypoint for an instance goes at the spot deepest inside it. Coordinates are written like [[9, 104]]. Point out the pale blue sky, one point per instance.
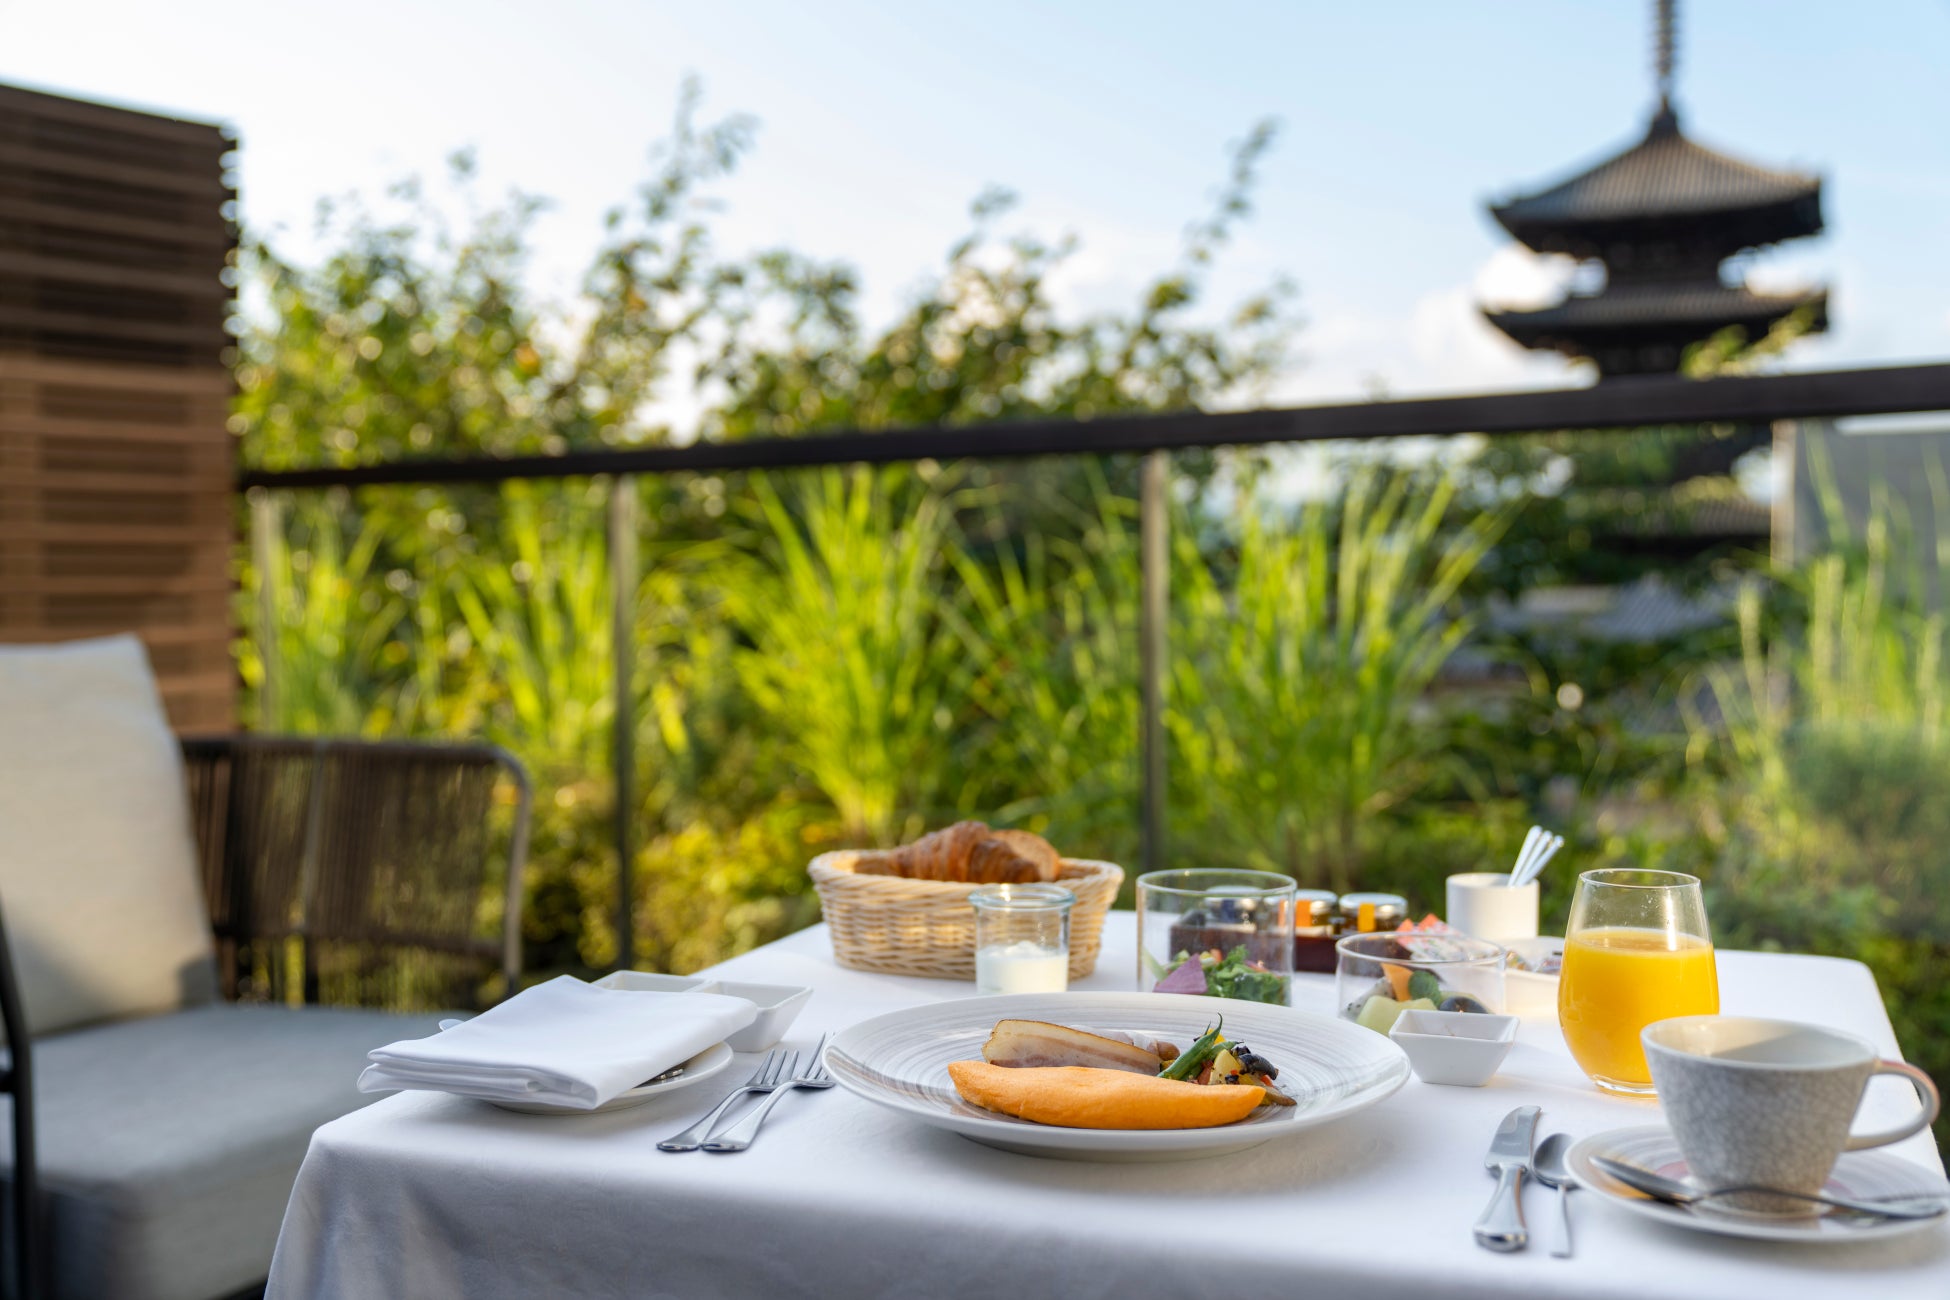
[[880, 122]]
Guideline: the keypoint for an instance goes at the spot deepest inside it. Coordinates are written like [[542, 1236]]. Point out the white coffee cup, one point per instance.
[[1769, 1103], [1482, 904]]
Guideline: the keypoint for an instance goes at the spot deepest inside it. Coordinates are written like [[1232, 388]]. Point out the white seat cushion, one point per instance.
[[98, 867]]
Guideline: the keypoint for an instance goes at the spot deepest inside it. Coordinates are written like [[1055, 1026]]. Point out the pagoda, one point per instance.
[[1662, 217]]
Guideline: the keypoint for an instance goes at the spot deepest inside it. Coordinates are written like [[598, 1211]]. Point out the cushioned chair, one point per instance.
[[163, 905]]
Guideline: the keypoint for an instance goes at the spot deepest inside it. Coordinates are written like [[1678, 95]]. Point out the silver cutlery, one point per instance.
[[1501, 1227], [1549, 1167], [1530, 841], [1539, 847], [766, 1077], [740, 1135], [1674, 1192]]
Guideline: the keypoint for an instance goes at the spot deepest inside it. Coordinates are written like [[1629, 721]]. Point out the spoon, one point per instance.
[[1548, 1167], [1673, 1192], [1530, 842], [1540, 857]]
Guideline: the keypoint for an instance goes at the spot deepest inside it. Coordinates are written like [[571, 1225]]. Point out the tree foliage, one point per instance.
[[412, 338]]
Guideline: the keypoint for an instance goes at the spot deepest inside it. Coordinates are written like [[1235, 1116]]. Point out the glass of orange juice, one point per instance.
[[1636, 950]]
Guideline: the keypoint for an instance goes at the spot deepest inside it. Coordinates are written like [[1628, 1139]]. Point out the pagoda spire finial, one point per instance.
[[1665, 54]]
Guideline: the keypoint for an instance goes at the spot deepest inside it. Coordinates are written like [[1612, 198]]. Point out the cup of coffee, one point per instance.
[[1769, 1103]]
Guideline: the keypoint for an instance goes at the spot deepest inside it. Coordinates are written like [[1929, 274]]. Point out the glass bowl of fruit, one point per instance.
[[1379, 976]]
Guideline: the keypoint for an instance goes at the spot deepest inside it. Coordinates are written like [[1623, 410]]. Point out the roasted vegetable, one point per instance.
[[1198, 1055], [1254, 1062], [1236, 1066]]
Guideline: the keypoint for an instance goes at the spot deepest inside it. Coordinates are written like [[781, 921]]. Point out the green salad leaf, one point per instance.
[[1238, 977]]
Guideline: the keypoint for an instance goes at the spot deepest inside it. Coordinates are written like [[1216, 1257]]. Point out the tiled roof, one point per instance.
[[1647, 610], [1710, 307], [1663, 175], [1728, 517]]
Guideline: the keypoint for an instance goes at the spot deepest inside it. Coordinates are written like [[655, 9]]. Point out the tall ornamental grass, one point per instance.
[[1050, 626], [1826, 790], [1306, 656], [333, 646], [537, 610], [853, 660]]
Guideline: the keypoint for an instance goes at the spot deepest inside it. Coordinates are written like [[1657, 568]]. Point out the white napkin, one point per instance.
[[564, 1042]]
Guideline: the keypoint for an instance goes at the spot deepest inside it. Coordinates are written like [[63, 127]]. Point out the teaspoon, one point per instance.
[[1549, 1168]]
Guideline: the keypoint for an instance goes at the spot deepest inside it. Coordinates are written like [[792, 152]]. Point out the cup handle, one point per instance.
[[1925, 1091]]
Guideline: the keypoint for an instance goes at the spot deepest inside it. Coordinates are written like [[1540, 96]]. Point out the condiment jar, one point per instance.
[[1365, 913], [1315, 927]]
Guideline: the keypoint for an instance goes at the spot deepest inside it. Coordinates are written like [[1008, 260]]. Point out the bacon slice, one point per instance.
[[1036, 1043]]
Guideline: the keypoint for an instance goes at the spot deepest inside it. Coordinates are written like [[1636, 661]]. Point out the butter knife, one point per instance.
[[1501, 1227]]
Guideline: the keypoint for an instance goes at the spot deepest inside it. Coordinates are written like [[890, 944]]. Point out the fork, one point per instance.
[[764, 1079], [740, 1135]]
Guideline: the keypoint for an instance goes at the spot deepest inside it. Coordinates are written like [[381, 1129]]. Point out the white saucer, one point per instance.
[[1860, 1174], [706, 1063]]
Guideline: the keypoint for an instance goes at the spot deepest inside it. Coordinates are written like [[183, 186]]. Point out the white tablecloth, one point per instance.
[[430, 1196]]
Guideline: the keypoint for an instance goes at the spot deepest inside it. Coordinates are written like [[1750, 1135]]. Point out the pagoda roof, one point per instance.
[[1632, 329], [1665, 179], [1656, 305]]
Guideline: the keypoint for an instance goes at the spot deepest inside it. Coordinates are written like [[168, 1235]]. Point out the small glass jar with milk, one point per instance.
[[1022, 938]]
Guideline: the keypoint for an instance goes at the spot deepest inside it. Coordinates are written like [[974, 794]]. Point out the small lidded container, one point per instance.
[[1316, 925], [1367, 913], [1022, 938]]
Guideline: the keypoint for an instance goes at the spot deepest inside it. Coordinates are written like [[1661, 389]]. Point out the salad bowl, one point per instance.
[[1332, 1069]]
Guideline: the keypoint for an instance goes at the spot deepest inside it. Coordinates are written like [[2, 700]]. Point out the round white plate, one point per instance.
[[706, 1063], [1862, 1174], [1331, 1068]]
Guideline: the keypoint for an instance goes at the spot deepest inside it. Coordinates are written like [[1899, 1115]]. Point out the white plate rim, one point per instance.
[[1015, 1134], [713, 1060], [1597, 1182]]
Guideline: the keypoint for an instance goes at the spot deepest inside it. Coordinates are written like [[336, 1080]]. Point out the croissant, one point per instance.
[[967, 852], [1013, 858]]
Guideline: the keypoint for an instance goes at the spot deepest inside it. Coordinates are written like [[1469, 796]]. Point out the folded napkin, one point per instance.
[[564, 1042]]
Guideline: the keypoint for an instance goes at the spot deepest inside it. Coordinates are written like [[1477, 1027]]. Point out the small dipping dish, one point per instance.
[[1461, 1048], [1530, 989], [778, 1006]]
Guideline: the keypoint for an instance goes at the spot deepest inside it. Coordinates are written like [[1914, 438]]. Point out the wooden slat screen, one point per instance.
[[116, 469]]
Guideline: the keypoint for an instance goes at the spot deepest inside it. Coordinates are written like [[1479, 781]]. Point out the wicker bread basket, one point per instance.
[[927, 927]]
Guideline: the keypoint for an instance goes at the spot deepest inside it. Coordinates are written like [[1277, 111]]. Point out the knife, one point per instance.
[[1501, 1227]]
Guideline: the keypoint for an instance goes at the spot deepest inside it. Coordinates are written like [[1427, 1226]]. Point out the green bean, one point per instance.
[[1193, 1059]]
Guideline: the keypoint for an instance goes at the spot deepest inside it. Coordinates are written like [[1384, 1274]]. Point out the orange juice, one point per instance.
[[1618, 980]]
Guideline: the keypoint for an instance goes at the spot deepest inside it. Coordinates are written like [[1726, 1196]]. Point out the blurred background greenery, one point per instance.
[[829, 658]]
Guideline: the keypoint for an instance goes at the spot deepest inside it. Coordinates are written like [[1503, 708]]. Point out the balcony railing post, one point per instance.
[[622, 595], [1154, 522], [1787, 483], [264, 528]]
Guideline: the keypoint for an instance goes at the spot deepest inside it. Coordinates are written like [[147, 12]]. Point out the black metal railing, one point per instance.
[[1615, 406]]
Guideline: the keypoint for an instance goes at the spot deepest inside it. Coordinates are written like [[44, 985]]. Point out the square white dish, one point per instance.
[[643, 981], [1527, 993], [1461, 1048], [778, 1006]]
